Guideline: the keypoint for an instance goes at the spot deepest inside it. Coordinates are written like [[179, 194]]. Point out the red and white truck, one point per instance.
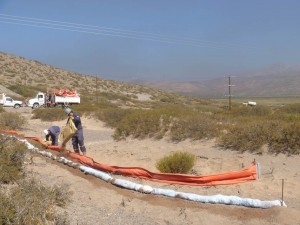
[[56, 98]]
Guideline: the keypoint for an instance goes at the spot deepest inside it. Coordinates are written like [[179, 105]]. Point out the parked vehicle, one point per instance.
[[7, 101], [57, 98], [249, 103]]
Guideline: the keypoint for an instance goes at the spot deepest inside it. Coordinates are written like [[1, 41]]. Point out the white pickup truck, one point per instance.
[[9, 102], [54, 99]]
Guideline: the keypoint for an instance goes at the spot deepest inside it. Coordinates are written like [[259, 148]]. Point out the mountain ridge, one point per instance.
[[278, 85]]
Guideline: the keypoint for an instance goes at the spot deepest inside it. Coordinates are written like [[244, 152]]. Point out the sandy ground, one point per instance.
[[97, 202]]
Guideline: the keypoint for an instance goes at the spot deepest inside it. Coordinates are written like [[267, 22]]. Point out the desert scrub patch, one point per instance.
[[142, 124], [289, 113], [90, 104], [7, 211], [49, 114], [284, 137], [291, 108], [11, 159], [157, 122], [11, 120], [31, 202], [246, 135], [114, 96], [291, 117], [26, 90], [259, 110], [111, 116], [194, 127], [177, 162]]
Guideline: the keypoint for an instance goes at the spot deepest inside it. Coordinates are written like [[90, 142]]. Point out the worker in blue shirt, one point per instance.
[[77, 138]]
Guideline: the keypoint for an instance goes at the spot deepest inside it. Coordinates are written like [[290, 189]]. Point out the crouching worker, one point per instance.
[[52, 133], [77, 138]]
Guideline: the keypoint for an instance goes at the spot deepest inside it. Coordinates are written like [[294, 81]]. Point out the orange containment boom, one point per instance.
[[235, 177]]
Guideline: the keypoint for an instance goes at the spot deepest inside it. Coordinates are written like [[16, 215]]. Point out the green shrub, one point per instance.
[[177, 162], [11, 159], [10, 120], [49, 114]]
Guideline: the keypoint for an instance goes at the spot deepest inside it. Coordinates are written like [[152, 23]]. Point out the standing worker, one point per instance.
[[52, 132], [77, 138]]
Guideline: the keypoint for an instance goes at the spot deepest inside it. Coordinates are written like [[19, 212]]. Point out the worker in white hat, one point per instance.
[[53, 133]]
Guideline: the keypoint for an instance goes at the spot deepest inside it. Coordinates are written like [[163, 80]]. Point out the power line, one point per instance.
[[60, 25], [110, 34]]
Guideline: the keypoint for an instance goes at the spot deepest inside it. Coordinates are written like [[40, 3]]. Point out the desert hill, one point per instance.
[[276, 81], [15, 70]]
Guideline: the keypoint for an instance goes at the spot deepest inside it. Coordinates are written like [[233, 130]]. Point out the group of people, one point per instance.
[[49, 99], [52, 133]]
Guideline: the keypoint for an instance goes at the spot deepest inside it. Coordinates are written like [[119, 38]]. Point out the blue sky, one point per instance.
[[178, 40]]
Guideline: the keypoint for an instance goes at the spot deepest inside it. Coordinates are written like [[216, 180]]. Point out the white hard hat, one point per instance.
[[46, 131], [68, 110]]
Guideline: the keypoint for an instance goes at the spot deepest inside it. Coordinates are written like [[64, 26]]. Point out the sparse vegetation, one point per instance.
[[194, 127], [26, 91], [145, 123], [177, 162], [11, 160], [284, 137], [291, 108], [10, 120], [165, 115], [49, 114], [247, 136], [23, 199], [31, 202], [251, 111], [112, 116], [250, 133]]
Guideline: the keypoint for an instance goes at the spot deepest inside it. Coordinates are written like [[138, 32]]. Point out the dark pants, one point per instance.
[[54, 138], [78, 141]]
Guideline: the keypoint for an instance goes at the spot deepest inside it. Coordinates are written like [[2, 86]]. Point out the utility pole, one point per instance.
[[96, 89], [25, 79], [229, 92]]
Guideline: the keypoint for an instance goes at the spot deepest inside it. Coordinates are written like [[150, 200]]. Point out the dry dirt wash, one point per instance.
[[97, 202]]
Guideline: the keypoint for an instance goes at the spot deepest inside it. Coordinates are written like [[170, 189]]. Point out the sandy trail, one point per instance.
[[97, 202]]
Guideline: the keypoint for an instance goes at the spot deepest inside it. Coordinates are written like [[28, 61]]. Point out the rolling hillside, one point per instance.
[[276, 81], [18, 71]]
